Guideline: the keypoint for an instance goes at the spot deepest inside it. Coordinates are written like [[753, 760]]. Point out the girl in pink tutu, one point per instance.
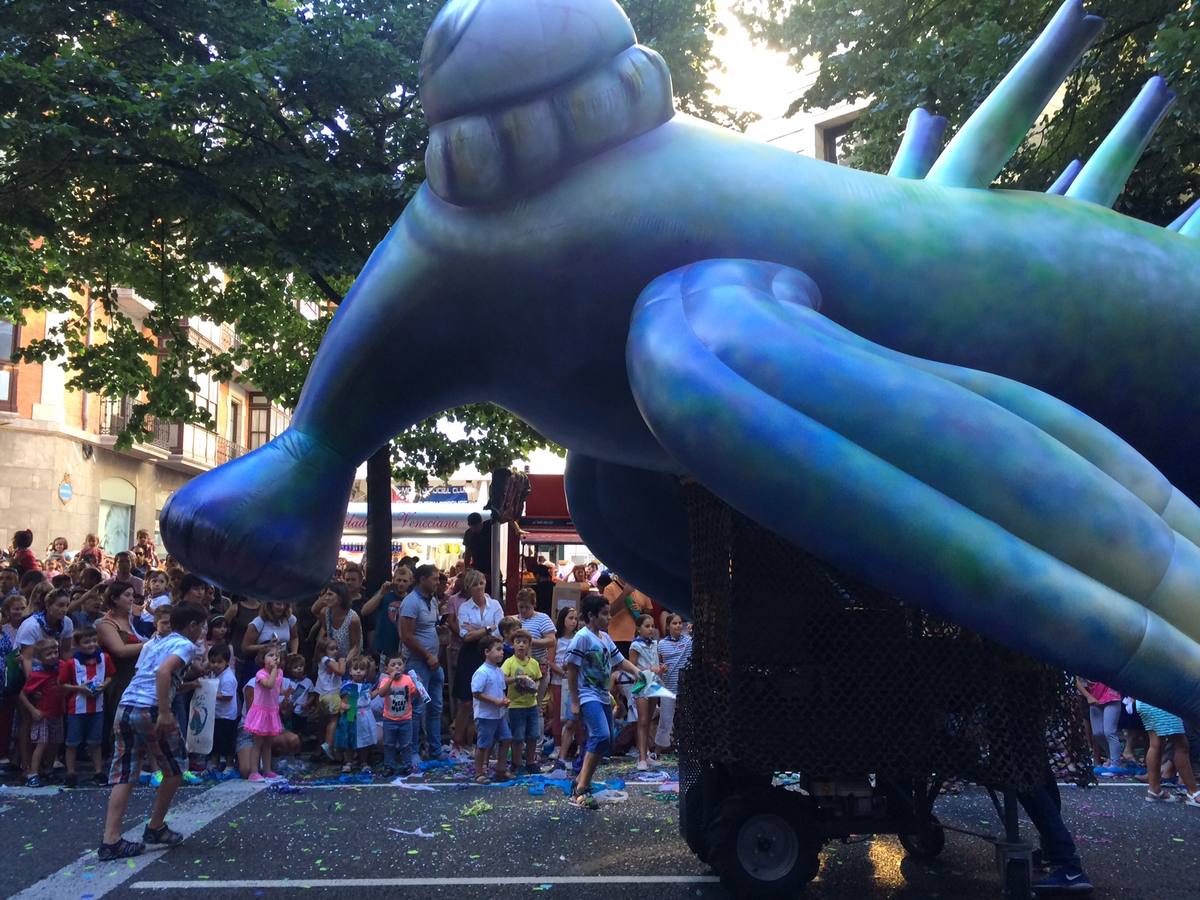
[[262, 718]]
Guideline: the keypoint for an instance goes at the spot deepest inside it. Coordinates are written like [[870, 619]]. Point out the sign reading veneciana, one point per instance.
[[417, 518]]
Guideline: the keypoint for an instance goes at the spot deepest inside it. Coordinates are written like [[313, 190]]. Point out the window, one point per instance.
[[117, 500], [235, 422], [260, 420], [833, 140], [10, 340], [206, 396]]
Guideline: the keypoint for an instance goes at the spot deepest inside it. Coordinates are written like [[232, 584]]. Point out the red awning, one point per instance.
[[550, 537]]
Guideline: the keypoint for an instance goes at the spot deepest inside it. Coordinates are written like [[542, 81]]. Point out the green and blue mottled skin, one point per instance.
[[826, 349]]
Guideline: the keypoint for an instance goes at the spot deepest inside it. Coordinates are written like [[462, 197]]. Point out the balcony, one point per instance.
[[195, 449], [115, 413]]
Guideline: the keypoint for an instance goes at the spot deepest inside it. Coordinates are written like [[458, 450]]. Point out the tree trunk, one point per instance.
[[379, 520]]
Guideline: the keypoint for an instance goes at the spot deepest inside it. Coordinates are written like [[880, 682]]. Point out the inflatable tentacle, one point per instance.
[[619, 511], [912, 481], [1104, 176], [1063, 181], [975, 156], [920, 145], [1184, 217], [1191, 228]]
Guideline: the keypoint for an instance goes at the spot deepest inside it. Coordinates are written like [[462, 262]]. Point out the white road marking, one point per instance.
[[87, 875], [312, 883]]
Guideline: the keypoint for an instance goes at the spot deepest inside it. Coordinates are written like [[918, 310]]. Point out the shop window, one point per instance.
[[10, 340], [117, 500]]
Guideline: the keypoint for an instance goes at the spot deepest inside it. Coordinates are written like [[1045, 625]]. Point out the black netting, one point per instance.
[[798, 668]]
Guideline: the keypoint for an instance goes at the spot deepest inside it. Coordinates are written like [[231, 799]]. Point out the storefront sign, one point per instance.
[[416, 518], [448, 494]]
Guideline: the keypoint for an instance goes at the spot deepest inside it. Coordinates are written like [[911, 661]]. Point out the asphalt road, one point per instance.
[[337, 841]]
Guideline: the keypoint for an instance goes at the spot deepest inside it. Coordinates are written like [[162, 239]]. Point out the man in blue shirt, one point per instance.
[[418, 633]]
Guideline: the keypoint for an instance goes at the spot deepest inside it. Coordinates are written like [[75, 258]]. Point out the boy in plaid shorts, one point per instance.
[[144, 720]]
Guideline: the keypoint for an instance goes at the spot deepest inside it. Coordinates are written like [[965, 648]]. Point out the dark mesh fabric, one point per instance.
[[798, 668]]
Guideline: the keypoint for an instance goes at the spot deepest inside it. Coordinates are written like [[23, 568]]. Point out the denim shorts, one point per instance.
[[523, 722], [598, 718], [85, 728], [489, 732]]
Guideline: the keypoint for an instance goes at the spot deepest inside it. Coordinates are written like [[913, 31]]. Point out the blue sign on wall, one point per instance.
[[65, 491], [448, 494]]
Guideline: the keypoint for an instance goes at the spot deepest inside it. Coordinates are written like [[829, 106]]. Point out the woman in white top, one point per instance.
[[274, 624], [478, 617]]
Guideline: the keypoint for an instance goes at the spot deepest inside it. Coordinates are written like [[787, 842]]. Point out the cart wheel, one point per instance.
[[1018, 880], [926, 843], [760, 847]]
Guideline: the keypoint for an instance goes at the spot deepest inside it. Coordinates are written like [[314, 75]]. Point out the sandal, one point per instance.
[[1193, 799], [162, 835], [120, 850], [482, 779], [584, 800], [1160, 797]]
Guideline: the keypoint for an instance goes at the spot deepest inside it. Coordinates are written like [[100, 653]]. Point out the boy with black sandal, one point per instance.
[[144, 720]]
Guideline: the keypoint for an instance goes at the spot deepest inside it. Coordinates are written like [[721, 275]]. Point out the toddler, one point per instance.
[[262, 719], [507, 628], [522, 675], [399, 693], [225, 711], [356, 724], [42, 701], [328, 688], [489, 693], [643, 653], [301, 694], [84, 679]]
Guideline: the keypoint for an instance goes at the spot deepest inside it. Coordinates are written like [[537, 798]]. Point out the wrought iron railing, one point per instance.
[[115, 413]]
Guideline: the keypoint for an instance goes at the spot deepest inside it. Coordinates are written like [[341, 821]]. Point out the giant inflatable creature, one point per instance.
[[932, 385]]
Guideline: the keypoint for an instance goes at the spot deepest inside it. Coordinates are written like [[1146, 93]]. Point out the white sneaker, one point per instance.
[[643, 766], [553, 754]]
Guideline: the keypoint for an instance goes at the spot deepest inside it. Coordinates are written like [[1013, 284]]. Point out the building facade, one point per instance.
[[61, 474]]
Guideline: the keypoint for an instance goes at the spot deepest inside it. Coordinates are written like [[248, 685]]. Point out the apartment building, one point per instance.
[[61, 473]]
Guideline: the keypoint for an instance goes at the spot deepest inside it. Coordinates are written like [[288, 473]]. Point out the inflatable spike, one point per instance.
[[1104, 176], [1185, 217], [1063, 181], [989, 138], [1191, 228], [920, 145]]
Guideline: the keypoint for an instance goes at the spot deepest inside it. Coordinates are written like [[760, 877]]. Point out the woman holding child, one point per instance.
[[478, 617]]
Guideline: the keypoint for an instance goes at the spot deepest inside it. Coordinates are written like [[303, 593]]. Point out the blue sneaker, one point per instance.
[[1109, 771], [1063, 880]]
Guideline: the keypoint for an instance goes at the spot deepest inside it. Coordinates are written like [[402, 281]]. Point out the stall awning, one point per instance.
[[551, 537]]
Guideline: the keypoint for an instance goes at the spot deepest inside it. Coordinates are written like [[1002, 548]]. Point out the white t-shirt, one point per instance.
[[596, 656], [488, 679], [272, 631], [30, 631], [227, 686], [560, 660], [472, 618], [160, 600], [143, 689], [327, 682], [539, 625]]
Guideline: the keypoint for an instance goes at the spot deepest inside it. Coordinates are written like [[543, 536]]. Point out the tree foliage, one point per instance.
[[236, 161], [948, 55]]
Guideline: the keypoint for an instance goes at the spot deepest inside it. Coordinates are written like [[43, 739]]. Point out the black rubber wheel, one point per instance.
[[759, 845], [1018, 880], [926, 843]]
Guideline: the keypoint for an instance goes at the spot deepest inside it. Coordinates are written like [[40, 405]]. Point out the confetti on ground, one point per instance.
[[475, 808], [420, 832]]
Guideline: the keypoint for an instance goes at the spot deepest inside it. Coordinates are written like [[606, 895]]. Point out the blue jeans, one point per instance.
[[1043, 806], [522, 722], [598, 718], [427, 717], [397, 737]]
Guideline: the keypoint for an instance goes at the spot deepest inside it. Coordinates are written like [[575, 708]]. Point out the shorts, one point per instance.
[[298, 724], [224, 742], [244, 739], [47, 731], [133, 730], [491, 731], [85, 728], [598, 718], [331, 704], [523, 723], [565, 714]]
